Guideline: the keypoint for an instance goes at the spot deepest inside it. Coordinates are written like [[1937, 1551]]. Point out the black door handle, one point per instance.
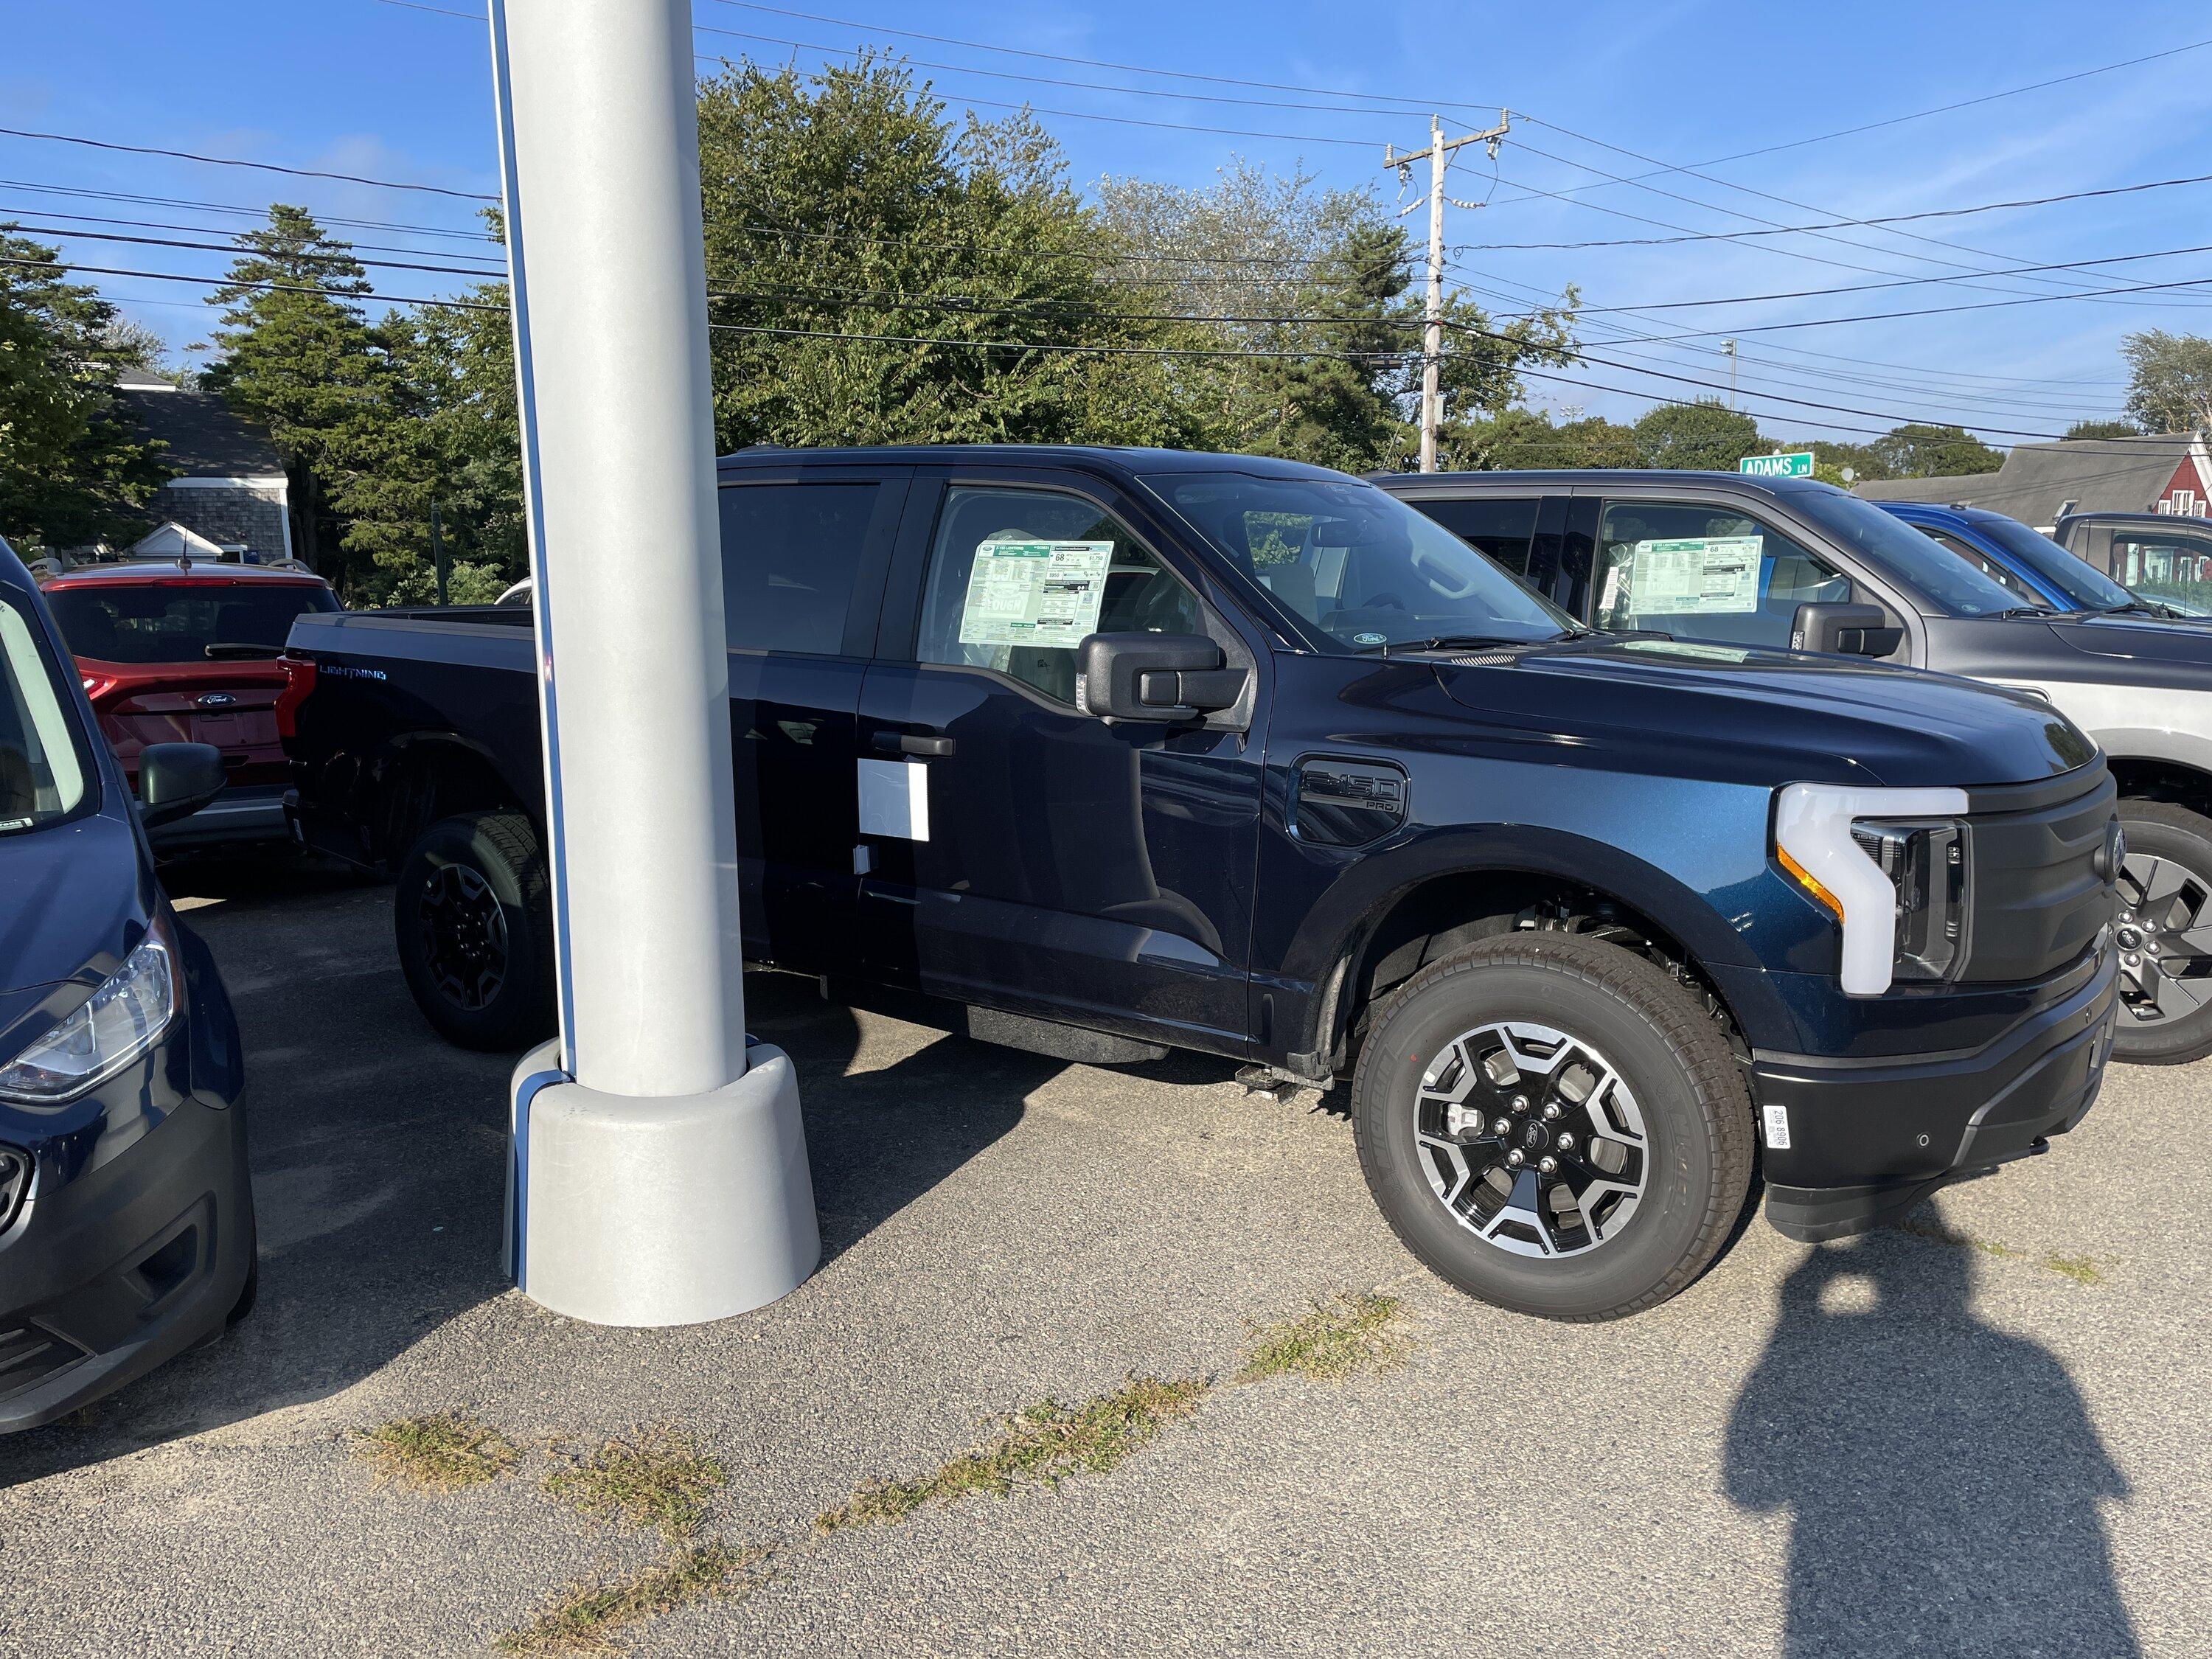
[[910, 743]]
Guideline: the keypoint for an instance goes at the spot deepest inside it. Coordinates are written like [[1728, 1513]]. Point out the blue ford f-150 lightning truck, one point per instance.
[[1102, 752]]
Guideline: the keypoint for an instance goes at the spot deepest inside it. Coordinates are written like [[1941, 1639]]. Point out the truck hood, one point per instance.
[[1778, 716], [2138, 639]]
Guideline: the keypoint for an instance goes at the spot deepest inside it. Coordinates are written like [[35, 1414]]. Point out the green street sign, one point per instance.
[[1799, 465]]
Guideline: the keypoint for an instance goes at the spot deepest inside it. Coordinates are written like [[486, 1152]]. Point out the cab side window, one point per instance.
[[1505, 530], [1705, 572], [791, 557], [1018, 577], [1982, 562]]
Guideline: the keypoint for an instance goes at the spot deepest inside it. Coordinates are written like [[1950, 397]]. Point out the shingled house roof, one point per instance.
[[2040, 482], [205, 440]]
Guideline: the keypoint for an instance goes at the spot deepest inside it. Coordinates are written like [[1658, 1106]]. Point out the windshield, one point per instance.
[[2084, 588], [177, 621], [1900, 552], [1360, 567], [43, 765]]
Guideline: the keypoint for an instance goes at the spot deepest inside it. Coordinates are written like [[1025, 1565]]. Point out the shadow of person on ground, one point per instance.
[[1942, 1476]]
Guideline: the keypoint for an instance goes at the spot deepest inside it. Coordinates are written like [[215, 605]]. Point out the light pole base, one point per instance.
[[667, 1210]]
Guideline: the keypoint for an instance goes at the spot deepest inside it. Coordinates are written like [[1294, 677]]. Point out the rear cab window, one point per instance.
[[803, 562], [176, 621], [45, 771]]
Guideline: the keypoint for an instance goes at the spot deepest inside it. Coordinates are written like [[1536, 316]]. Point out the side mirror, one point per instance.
[[1163, 678], [1844, 630], [175, 780]]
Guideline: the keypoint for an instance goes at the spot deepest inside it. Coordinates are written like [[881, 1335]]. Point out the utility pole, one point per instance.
[[437, 552], [1728, 347], [1439, 154]]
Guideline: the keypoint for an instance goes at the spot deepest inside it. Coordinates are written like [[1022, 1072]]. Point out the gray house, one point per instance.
[[2039, 484], [231, 489]]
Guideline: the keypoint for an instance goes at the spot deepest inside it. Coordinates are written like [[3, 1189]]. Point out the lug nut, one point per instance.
[[1567, 1141], [1547, 1164], [1551, 1111], [1514, 1158], [2132, 960], [1519, 1103], [1504, 1125]]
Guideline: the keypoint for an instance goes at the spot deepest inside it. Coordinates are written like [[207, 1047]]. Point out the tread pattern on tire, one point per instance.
[[1654, 995], [514, 839]]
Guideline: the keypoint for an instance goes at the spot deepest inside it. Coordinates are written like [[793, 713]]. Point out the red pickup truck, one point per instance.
[[187, 653]]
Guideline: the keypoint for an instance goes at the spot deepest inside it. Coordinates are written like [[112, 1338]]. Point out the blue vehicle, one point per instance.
[[126, 1215], [1102, 752], [2033, 567]]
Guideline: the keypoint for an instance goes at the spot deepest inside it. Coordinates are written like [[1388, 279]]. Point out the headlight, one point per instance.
[[119, 1022], [1890, 865]]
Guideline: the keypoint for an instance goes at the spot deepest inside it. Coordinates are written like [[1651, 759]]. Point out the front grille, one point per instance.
[[29, 1354], [2040, 897], [15, 1184]]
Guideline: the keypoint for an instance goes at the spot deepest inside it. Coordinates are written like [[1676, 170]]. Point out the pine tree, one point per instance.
[[296, 354], [72, 469]]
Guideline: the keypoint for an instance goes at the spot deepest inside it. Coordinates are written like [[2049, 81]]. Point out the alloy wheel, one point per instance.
[[2165, 936], [464, 935], [1532, 1139]]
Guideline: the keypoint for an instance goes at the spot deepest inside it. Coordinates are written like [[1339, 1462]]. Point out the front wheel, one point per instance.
[[473, 913], [1555, 1126], [2164, 933]]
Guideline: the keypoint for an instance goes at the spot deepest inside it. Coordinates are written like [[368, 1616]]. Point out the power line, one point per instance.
[[234, 161]]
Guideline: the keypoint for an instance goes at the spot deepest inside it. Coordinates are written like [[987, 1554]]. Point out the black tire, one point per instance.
[[2162, 1024], [473, 916], [1695, 1106]]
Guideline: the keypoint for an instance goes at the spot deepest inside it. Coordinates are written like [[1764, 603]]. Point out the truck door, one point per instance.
[[803, 557], [1019, 854]]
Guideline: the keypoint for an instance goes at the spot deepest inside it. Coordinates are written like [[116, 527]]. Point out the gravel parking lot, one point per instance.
[[1985, 1433]]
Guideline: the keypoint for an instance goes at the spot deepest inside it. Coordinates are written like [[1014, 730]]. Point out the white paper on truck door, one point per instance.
[[1029, 592], [1697, 575]]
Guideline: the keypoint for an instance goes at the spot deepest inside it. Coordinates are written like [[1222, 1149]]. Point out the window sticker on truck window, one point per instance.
[[1701, 575], [1028, 593]]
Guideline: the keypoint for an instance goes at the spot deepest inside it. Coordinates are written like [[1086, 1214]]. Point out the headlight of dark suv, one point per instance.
[[1892, 866], [116, 1025]]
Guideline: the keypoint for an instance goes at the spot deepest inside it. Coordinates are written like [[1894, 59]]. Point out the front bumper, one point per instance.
[[1867, 1139]]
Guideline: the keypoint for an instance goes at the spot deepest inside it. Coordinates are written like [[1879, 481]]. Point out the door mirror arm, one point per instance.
[[1161, 679]]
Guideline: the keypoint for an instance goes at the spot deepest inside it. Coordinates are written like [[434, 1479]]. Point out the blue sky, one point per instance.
[[401, 92]]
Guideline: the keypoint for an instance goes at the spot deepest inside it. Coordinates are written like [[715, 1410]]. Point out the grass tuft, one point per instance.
[[446, 1451], [658, 1479], [1339, 1336], [2082, 1269], [583, 1617], [1046, 1443]]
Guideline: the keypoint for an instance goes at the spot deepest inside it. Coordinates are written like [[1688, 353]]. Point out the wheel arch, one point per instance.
[[424, 777], [2183, 782], [1412, 911]]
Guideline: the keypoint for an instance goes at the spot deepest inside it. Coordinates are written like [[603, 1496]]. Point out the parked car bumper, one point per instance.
[[136, 1240], [1869, 1138], [254, 812]]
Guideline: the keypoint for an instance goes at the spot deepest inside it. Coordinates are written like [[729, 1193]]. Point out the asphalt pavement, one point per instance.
[[1988, 1433]]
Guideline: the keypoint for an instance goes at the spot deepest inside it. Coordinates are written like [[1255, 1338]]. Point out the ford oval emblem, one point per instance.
[[1370, 639], [216, 700]]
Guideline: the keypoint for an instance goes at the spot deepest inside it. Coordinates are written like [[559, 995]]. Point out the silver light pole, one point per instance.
[[659, 1170]]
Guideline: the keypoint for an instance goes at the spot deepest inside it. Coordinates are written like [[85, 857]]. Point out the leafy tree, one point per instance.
[[1521, 438], [441, 453], [878, 278], [72, 468], [1338, 404], [1706, 437], [2083, 429], [1919, 451], [2169, 386], [296, 354]]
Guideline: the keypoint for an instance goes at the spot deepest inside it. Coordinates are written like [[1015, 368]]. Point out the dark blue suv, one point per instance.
[[2020, 561], [1101, 752], [126, 1218]]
